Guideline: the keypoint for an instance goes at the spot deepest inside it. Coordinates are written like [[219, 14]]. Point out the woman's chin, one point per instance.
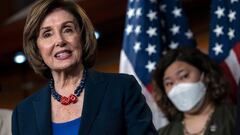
[[67, 67]]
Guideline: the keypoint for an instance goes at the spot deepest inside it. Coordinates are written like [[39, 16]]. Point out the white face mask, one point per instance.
[[186, 96]]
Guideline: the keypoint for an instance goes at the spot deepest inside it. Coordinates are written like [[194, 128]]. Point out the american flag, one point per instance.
[[224, 45], [152, 26]]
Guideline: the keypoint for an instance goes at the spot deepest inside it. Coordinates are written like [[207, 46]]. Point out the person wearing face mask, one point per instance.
[[192, 92]]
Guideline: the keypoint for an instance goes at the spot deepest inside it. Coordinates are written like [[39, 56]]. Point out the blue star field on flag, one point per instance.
[[151, 27], [224, 45], [224, 28]]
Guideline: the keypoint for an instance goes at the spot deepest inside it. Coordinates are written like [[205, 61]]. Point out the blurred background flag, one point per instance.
[[151, 27], [224, 45]]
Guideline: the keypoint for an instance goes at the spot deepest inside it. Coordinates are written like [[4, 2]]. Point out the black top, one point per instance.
[[222, 122]]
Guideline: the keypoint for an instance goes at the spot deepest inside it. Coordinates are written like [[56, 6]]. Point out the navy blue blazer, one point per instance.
[[113, 105]]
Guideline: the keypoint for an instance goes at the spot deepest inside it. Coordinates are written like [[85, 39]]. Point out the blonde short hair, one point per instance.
[[37, 13]]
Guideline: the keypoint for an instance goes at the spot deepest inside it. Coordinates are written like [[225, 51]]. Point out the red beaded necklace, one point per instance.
[[73, 98]]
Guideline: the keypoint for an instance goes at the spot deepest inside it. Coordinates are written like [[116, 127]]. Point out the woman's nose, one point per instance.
[[176, 82], [59, 40]]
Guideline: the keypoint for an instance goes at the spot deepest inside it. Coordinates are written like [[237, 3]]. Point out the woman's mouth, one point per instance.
[[62, 55]]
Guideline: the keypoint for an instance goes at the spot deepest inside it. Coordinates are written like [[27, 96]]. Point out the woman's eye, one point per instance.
[[168, 84], [46, 34], [184, 76], [68, 30]]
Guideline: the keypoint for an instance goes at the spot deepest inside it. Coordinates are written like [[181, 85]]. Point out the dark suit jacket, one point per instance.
[[113, 105]]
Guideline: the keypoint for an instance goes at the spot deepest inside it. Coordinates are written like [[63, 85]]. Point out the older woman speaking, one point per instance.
[[60, 45]]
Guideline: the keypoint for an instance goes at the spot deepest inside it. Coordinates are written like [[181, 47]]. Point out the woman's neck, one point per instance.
[[195, 122], [66, 81], [205, 110]]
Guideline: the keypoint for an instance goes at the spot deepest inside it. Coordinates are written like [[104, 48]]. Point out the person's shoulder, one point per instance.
[[227, 110], [25, 103], [5, 114], [119, 77], [5, 121], [225, 117]]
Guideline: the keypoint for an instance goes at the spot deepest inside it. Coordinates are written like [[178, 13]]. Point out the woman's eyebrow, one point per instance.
[[43, 28], [166, 79], [176, 73], [72, 22]]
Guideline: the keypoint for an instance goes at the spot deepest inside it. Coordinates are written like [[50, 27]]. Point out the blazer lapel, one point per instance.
[[94, 92], [42, 108]]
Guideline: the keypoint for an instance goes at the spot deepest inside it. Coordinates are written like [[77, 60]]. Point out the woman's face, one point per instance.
[[59, 40], [179, 72]]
